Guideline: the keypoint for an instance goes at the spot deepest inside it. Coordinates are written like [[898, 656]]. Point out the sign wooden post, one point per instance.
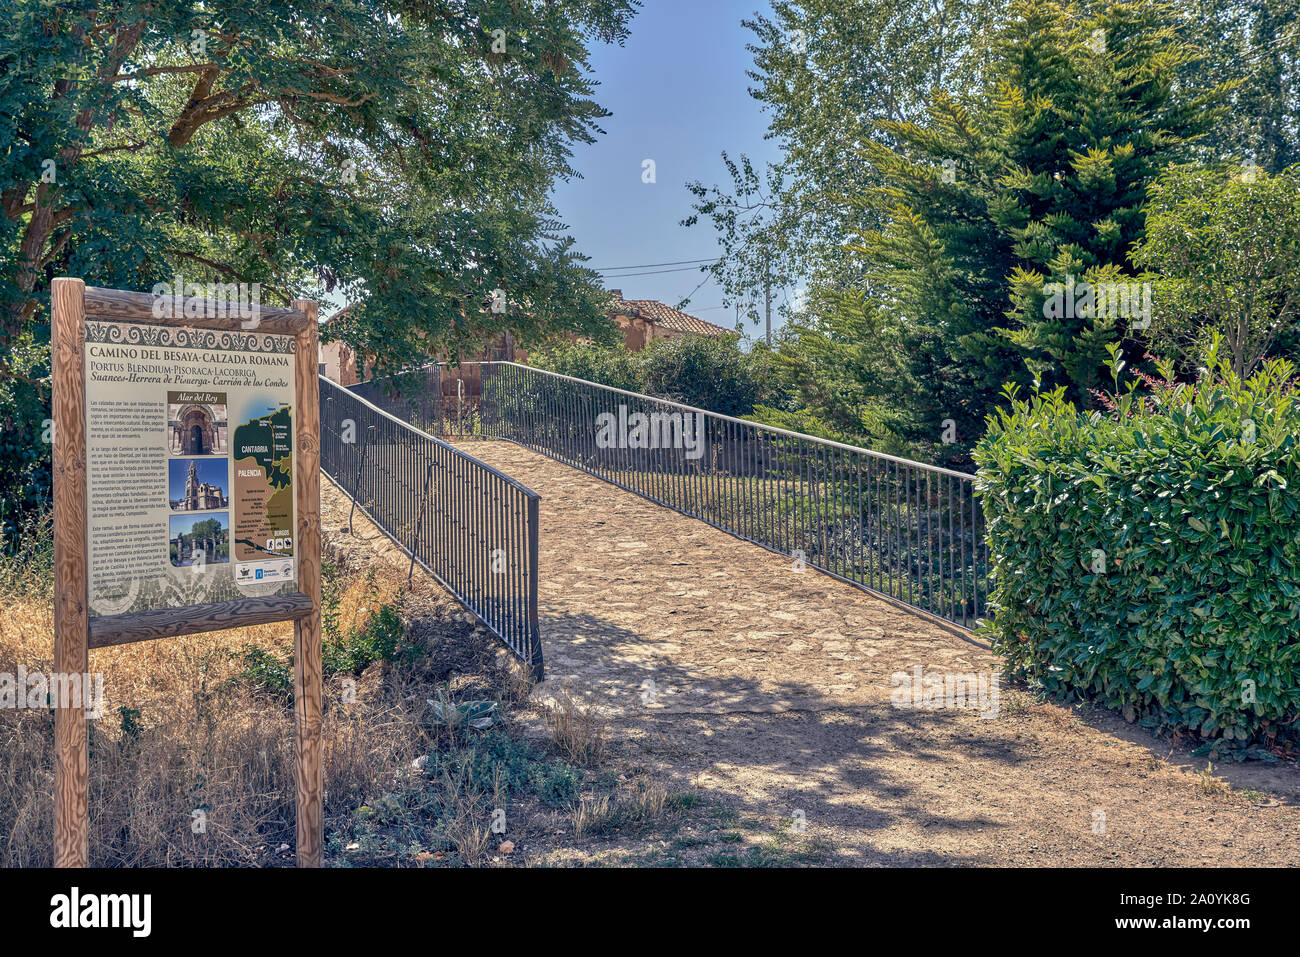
[[306, 630], [71, 610], [177, 326]]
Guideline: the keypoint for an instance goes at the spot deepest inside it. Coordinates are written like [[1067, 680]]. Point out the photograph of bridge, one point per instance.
[[200, 541]]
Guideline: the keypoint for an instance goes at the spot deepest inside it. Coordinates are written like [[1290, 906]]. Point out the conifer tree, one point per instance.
[[998, 201]]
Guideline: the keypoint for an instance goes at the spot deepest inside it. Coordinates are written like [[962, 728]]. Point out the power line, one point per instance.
[[687, 299], [683, 262], [653, 272]]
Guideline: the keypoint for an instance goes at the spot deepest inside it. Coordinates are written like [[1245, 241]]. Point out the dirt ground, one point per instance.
[[765, 692]]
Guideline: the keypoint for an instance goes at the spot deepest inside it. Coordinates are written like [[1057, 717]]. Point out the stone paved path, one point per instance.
[[725, 670]]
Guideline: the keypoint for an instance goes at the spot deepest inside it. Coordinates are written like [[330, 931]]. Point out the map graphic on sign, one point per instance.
[[261, 451]]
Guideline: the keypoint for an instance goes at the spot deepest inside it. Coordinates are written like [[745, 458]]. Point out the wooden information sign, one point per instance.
[[186, 499]]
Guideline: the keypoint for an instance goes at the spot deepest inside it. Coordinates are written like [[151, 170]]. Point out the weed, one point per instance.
[[1208, 784], [265, 672], [607, 815], [557, 784], [446, 715], [578, 732]]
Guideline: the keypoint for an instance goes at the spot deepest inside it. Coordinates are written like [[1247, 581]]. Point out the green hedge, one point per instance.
[[1149, 558]]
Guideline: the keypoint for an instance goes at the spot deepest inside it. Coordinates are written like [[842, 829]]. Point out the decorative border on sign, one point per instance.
[[166, 337]]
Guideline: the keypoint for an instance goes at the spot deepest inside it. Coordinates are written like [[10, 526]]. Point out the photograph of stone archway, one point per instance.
[[197, 428]]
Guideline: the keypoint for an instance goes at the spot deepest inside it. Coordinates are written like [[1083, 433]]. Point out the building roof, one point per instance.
[[661, 314]]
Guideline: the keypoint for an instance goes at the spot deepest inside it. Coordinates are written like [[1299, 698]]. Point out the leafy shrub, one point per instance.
[[608, 363], [265, 672], [376, 640], [557, 784], [489, 761], [344, 650], [802, 421], [708, 372], [351, 650], [1150, 558], [1227, 251]]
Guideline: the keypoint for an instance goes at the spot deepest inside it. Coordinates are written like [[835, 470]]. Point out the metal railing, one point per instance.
[[910, 532], [468, 525]]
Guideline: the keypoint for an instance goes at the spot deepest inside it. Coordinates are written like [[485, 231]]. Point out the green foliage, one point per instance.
[[1007, 146], [378, 152], [377, 640], [344, 650], [494, 762], [708, 372], [1227, 254], [1254, 44], [606, 361], [846, 371], [265, 672], [1040, 178], [27, 563], [1032, 204], [557, 784], [798, 420], [1150, 559], [827, 72], [487, 761], [332, 582], [26, 438], [352, 650]]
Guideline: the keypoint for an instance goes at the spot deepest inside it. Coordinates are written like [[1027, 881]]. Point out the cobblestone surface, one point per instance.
[[724, 671]]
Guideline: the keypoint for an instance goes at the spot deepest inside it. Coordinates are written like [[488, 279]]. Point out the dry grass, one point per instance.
[[180, 733], [462, 819], [188, 728], [577, 732], [1211, 785], [605, 814]]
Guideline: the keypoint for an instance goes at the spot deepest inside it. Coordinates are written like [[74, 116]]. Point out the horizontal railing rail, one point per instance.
[[905, 530], [470, 526]]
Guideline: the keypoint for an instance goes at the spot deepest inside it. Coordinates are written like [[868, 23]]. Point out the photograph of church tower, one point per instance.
[[197, 485]]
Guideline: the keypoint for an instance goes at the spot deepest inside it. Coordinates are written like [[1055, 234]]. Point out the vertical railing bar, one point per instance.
[[356, 483], [534, 638], [419, 528], [861, 534], [929, 546]]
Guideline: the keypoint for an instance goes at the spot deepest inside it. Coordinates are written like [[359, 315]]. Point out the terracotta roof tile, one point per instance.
[[652, 310]]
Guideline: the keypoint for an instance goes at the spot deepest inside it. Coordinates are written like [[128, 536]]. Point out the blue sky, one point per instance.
[[677, 91]]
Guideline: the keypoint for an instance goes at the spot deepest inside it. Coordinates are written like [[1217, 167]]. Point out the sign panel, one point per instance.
[[189, 459], [186, 500]]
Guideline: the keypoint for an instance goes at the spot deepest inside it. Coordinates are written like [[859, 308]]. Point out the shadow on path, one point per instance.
[[723, 670]]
